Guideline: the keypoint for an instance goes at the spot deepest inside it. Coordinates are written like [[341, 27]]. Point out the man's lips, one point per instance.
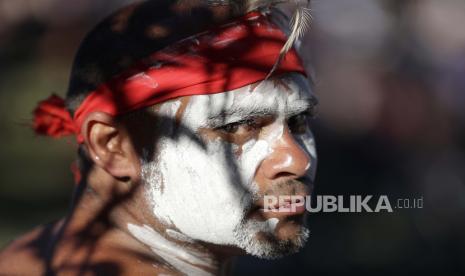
[[284, 198], [287, 208], [283, 208]]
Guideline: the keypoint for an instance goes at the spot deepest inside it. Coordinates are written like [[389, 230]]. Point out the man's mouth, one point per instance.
[[285, 208], [286, 205], [283, 199]]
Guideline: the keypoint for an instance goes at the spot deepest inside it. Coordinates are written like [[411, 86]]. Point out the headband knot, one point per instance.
[[51, 118]]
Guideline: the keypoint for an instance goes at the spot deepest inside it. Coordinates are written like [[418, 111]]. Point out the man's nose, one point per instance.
[[288, 159]]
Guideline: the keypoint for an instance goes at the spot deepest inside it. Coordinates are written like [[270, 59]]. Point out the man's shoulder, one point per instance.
[[27, 253], [38, 252]]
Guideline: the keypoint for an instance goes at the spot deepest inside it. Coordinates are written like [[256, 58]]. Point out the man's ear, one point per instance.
[[110, 147]]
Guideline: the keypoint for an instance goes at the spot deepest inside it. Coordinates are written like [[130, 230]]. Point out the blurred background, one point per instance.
[[390, 76]]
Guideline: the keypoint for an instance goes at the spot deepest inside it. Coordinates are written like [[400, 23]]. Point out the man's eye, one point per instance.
[[246, 125], [298, 124], [230, 128]]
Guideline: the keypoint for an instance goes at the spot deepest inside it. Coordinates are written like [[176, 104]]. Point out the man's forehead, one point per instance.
[[290, 93]]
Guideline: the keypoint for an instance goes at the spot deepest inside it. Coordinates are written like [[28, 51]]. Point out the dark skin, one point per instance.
[[94, 240], [89, 241]]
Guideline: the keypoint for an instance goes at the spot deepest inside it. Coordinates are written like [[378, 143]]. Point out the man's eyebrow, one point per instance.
[[302, 106], [312, 102], [239, 113]]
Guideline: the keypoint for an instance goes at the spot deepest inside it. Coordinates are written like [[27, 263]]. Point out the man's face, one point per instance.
[[221, 153]]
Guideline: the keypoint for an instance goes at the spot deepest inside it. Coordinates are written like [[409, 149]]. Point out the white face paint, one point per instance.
[[187, 262], [200, 186]]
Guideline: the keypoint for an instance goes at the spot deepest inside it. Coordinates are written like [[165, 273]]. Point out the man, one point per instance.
[[187, 114]]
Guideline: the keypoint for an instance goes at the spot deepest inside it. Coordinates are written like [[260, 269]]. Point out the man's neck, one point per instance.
[[167, 250], [185, 255]]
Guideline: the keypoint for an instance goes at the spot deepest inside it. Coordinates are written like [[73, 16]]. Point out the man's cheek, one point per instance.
[[253, 153]]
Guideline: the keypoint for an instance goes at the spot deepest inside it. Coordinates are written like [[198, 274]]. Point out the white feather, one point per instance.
[[299, 25]]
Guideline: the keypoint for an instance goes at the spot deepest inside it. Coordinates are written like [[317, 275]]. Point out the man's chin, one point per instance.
[[271, 243]]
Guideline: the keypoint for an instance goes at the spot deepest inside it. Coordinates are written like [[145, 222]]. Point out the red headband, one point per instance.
[[234, 55]]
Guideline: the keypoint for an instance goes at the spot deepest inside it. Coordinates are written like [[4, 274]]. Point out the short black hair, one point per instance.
[[125, 37]]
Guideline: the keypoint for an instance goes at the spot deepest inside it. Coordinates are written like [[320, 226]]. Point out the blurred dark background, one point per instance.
[[390, 76]]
